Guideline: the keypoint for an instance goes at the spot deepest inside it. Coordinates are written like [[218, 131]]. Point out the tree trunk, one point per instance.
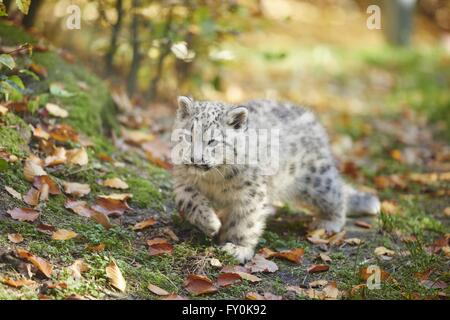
[[114, 36], [29, 19], [135, 62]]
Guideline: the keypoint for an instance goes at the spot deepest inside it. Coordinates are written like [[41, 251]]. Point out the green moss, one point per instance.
[[15, 134]]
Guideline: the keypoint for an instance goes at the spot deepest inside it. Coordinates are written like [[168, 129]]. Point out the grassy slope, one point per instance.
[[421, 216]]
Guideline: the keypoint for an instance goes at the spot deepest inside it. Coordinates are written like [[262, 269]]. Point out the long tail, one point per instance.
[[359, 203]]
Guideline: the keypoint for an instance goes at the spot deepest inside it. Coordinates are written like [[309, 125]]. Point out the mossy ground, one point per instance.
[[422, 77]]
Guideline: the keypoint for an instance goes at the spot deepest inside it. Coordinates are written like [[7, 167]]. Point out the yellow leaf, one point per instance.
[[115, 276]]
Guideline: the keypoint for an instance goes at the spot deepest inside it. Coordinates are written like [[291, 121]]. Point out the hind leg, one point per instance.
[[323, 187]]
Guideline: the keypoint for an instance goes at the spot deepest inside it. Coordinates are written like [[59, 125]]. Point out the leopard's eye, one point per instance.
[[213, 143]]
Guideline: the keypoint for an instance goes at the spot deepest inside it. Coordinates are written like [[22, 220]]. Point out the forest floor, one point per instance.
[[387, 111]]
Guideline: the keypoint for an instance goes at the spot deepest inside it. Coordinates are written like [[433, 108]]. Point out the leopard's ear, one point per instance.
[[184, 106], [237, 118]]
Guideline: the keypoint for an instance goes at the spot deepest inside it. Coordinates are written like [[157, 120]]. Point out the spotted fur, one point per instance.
[[232, 201]]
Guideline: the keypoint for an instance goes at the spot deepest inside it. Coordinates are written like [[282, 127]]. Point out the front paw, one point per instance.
[[212, 226], [241, 253]]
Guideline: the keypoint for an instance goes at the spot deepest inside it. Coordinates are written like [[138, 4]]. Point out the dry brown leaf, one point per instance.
[[77, 156], [438, 284], [58, 157], [382, 251], [353, 241], [46, 228], [115, 183], [215, 263], [13, 193], [79, 207], [40, 133], [314, 240], [76, 189], [33, 168], [157, 290], [3, 110], [159, 246], [23, 214], [39, 183], [102, 219], [316, 268], [144, 224], [337, 239], [136, 137], [17, 283], [42, 265], [56, 110], [115, 276], [227, 279], [362, 224], [63, 234], [116, 196], [264, 296], [331, 291], [318, 283], [261, 264], [63, 133], [77, 268], [324, 257], [32, 197], [110, 206], [198, 284], [15, 237]]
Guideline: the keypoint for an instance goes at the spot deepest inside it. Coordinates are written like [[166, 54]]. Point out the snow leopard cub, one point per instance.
[[232, 200]]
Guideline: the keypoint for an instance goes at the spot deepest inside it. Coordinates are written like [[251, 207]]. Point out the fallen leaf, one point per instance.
[[42, 265], [57, 157], [56, 110], [13, 193], [3, 110], [294, 255], [63, 133], [40, 181], [159, 246], [447, 212], [77, 268], [157, 290], [40, 133], [102, 219], [248, 277], [227, 279], [362, 224], [318, 283], [353, 241], [76, 189], [315, 240], [32, 197], [116, 196], [316, 268], [337, 239], [17, 283], [77, 156], [115, 276], [264, 296], [198, 284], [23, 214], [382, 251], [115, 183], [63, 234], [215, 263], [79, 207], [144, 224], [15, 237], [110, 206], [261, 264], [46, 228], [324, 257], [331, 291], [33, 168], [136, 137]]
